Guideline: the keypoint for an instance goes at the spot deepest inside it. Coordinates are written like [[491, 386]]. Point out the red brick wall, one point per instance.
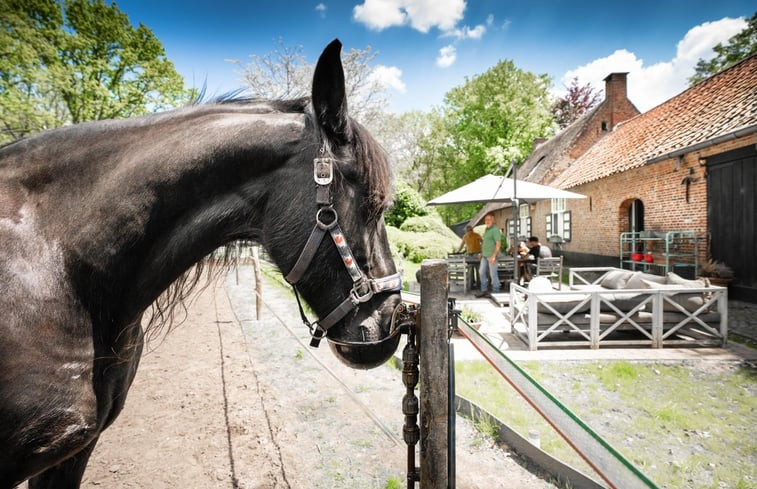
[[619, 107], [614, 109], [598, 220]]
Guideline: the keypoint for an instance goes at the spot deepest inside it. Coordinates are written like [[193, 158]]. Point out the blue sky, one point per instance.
[[426, 47]]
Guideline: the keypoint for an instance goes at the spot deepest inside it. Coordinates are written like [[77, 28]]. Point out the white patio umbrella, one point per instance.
[[493, 188]]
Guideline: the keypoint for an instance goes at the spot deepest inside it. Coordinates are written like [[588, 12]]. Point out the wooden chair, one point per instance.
[[457, 270], [505, 269], [550, 267]]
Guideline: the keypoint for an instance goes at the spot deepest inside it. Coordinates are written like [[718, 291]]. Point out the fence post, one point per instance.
[[434, 370]]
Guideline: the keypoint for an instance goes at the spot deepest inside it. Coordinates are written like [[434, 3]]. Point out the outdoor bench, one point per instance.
[[621, 308]]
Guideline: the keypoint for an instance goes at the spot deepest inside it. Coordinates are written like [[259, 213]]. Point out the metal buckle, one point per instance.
[[361, 292], [323, 170]]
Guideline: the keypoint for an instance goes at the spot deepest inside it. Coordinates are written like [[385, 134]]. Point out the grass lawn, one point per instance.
[[408, 272], [684, 426]]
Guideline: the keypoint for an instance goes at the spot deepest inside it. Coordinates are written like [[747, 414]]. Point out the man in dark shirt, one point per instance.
[[533, 248]]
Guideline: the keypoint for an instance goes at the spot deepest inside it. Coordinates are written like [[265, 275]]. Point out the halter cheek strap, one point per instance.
[[326, 221]]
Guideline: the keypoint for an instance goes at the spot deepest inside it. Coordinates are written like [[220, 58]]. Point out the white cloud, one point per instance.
[[422, 15], [447, 56], [321, 9], [379, 14], [389, 76], [475, 33], [649, 86], [466, 32]]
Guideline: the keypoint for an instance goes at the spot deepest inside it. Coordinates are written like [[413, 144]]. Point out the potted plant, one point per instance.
[[717, 272], [473, 318]]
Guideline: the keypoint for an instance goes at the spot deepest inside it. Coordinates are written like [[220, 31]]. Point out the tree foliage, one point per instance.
[[284, 73], [739, 47], [579, 100], [407, 203], [401, 135], [75, 60], [485, 124]]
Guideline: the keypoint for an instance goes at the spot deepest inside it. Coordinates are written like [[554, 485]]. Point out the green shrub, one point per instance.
[[407, 203], [430, 223], [417, 247]]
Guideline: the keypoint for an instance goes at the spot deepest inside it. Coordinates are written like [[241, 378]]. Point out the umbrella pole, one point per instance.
[[516, 221]]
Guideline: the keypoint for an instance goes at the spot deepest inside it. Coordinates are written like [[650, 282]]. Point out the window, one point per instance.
[[558, 223], [558, 205], [524, 223], [525, 220]]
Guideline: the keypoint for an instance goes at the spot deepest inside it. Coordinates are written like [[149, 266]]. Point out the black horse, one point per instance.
[[98, 220]]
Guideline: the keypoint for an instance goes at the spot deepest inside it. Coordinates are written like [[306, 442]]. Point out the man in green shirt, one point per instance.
[[489, 251]]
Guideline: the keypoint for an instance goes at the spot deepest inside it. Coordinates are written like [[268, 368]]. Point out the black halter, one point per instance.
[[326, 221]]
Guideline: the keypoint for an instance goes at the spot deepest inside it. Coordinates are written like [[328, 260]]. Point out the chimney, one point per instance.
[[615, 85], [616, 97]]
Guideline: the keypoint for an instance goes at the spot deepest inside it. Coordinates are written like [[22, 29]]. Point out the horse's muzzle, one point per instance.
[[365, 355], [379, 342]]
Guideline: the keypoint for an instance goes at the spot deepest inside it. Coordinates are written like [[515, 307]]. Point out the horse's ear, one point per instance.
[[329, 97]]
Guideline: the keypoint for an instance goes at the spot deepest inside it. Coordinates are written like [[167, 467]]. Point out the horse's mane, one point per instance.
[[374, 167], [370, 157], [170, 308]]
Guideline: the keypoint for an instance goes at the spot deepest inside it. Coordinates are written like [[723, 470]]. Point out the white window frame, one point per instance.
[[558, 205], [559, 221], [524, 220]]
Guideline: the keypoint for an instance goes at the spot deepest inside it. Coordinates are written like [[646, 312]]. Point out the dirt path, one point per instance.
[[226, 401]]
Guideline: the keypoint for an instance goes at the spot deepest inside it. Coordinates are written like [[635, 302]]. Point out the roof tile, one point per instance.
[[717, 106]]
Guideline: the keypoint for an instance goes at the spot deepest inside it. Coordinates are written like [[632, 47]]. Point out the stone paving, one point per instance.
[[742, 319]]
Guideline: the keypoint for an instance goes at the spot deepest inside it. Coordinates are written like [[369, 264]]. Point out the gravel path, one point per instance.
[[228, 401]]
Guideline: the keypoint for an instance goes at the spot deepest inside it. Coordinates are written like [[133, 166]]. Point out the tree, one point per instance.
[[284, 74], [740, 46], [77, 60], [400, 135], [485, 124], [574, 104], [279, 75], [407, 203], [29, 32]]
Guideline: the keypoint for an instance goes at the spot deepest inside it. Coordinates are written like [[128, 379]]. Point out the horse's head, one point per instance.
[[338, 199]]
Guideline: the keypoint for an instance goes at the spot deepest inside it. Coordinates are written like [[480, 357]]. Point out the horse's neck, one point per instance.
[[168, 194]]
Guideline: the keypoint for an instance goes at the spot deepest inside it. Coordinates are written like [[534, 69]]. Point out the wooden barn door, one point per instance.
[[731, 203]]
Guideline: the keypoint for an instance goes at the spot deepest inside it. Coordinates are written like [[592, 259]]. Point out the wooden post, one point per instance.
[[434, 370]]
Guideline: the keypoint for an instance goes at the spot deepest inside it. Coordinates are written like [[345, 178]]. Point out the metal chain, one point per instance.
[[410, 406]]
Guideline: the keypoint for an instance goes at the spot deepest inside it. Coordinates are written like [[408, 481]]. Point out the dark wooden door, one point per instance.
[[731, 203]]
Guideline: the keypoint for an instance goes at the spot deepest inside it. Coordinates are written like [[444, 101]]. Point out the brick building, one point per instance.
[[689, 164]]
